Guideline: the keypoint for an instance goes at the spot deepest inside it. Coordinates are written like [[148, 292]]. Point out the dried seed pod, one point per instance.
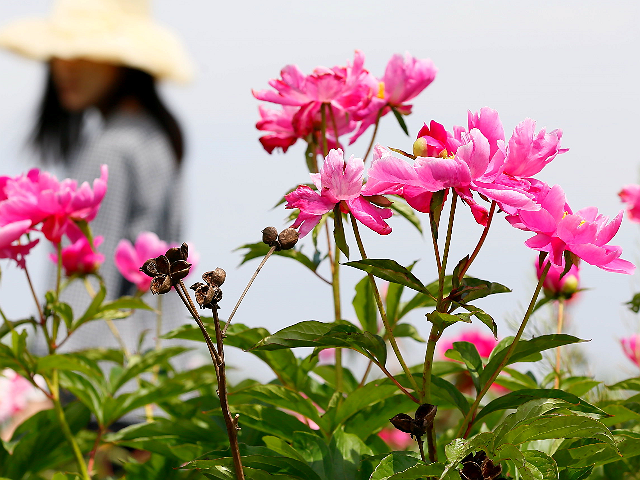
[[270, 236], [215, 277], [288, 238]]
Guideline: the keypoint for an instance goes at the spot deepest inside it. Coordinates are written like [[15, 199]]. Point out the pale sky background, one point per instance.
[[571, 65]]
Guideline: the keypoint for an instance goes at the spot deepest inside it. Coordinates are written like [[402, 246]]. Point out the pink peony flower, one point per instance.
[[15, 393], [39, 197], [280, 123], [631, 348], [79, 257], [556, 287], [396, 439], [466, 161], [631, 196], [345, 90], [585, 233], [338, 182], [404, 78], [10, 247], [129, 258]]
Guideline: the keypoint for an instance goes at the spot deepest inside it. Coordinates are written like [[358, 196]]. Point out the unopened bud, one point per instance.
[[420, 147], [270, 236], [288, 238]]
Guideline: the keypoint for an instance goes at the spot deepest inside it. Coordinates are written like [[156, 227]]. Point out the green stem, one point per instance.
[[434, 241], [335, 284], [434, 336], [54, 387], [334, 124], [480, 241], [445, 254], [35, 297], [375, 131], [323, 113], [383, 314], [467, 423], [558, 355]]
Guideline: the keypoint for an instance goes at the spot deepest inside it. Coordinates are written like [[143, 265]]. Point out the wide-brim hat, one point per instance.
[[121, 32]]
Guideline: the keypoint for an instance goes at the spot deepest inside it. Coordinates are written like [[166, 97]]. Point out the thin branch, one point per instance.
[[375, 131], [480, 241], [233, 312]]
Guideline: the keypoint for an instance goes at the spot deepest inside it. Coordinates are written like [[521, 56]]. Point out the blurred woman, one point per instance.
[[105, 56]]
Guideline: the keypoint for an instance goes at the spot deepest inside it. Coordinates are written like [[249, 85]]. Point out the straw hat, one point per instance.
[[114, 31]]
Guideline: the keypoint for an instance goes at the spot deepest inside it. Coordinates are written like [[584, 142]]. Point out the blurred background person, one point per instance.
[[101, 106]]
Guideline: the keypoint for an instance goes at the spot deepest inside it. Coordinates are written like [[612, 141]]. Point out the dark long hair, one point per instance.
[[57, 131]]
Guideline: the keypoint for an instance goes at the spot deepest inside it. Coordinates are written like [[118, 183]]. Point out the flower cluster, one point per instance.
[[348, 98], [479, 159], [37, 201]]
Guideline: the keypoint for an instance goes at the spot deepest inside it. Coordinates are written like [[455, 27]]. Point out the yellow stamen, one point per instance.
[[380, 90]]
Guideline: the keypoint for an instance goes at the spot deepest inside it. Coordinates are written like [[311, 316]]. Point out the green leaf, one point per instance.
[[317, 334], [328, 374], [524, 349], [93, 309], [443, 320], [64, 311], [483, 317], [69, 361], [628, 384], [557, 426], [531, 464], [281, 447], [138, 364], [407, 330], [359, 399], [401, 208], [260, 249], [338, 231], [455, 277], [578, 385], [449, 391], [7, 326], [271, 421], [391, 271], [471, 358], [315, 452], [576, 473], [347, 451], [392, 302], [634, 303], [364, 303], [270, 465], [281, 397], [128, 303], [395, 462], [474, 288], [520, 397], [398, 116], [42, 445]]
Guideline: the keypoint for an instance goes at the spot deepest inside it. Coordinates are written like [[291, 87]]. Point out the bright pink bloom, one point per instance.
[[404, 78], [15, 393], [631, 196], [338, 182], [280, 123], [631, 348], [327, 355], [129, 258], [345, 90], [80, 258], [484, 343], [528, 152], [585, 233], [39, 197], [464, 160], [9, 245], [396, 439], [556, 287]]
